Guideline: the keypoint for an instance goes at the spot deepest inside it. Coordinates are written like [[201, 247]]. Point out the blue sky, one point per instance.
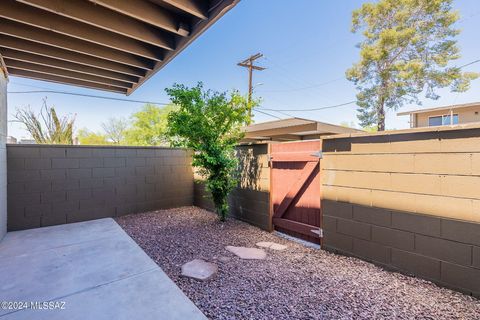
[[307, 46]]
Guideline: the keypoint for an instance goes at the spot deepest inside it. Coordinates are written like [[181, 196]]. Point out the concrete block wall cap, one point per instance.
[[93, 146], [464, 126]]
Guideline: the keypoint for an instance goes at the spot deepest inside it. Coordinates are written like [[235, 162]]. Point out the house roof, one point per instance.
[[292, 129], [102, 44], [455, 106]]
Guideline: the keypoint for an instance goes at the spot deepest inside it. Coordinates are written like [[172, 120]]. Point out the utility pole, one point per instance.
[[248, 63]]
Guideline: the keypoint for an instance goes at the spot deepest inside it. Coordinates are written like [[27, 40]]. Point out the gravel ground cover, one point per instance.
[[296, 283]]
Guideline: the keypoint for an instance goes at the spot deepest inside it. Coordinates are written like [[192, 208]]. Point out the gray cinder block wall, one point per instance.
[[50, 185], [3, 153]]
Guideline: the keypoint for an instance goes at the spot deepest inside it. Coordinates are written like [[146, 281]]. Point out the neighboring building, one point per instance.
[[11, 140], [444, 116], [292, 129], [27, 141]]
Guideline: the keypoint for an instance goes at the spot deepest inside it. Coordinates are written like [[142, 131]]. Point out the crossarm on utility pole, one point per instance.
[[248, 63]]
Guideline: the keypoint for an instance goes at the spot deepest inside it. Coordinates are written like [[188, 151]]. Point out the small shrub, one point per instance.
[[210, 124]]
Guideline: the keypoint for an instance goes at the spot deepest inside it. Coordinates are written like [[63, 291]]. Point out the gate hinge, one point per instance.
[[269, 161], [317, 154], [318, 231]]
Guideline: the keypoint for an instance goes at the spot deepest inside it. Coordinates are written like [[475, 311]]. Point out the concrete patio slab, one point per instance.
[[26, 242], [94, 267]]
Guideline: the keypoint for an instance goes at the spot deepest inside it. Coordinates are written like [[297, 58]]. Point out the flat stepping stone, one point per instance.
[[247, 253], [272, 245], [199, 269]]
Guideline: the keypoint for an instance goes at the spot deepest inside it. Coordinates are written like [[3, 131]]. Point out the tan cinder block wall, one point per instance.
[[408, 201], [432, 172], [250, 201], [465, 115]]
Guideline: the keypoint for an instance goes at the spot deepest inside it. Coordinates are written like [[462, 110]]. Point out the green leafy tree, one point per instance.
[[406, 49], [87, 137], [115, 129], [47, 127], [210, 124], [371, 129], [148, 126]]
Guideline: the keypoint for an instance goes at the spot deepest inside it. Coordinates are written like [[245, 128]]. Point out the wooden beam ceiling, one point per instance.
[[200, 27], [65, 65], [194, 7], [7, 42], [53, 39], [103, 18], [62, 80], [31, 16], [37, 68], [112, 45], [145, 11]]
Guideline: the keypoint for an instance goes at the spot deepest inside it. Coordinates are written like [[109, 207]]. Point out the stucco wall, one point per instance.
[[3, 155], [50, 185], [465, 115]]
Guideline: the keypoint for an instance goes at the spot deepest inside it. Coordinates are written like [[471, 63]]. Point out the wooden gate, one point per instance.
[[295, 189]]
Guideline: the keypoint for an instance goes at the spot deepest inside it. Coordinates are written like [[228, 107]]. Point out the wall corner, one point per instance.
[[3, 148]]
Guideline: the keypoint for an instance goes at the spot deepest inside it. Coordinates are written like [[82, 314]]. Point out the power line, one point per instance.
[[276, 111], [164, 103], [314, 109], [469, 17], [280, 112], [470, 63], [330, 81], [86, 95], [346, 103], [338, 79], [285, 114], [29, 85], [266, 113], [293, 79], [307, 87]]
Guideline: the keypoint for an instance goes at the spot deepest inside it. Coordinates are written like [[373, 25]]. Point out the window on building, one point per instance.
[[446, 120], [435, 121], [442, 120]]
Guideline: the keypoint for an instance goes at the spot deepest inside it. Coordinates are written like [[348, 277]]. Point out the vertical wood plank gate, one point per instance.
[[295, 189]]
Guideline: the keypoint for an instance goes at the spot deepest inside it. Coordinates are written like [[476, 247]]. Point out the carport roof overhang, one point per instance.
[[292, 129], [112, 45]]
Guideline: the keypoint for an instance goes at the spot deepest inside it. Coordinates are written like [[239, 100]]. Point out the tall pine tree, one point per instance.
[[406, 49]]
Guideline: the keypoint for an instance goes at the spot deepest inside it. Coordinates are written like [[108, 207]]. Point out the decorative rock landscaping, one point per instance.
[[224, 259], [296, 283]]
